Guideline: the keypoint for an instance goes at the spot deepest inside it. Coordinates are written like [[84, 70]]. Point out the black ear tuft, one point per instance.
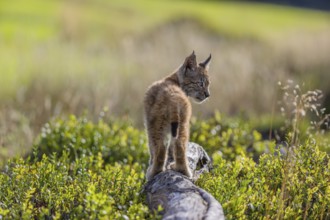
[[206, 62]]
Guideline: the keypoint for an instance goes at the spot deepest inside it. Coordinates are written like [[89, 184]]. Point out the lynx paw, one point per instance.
[[185, 170], [151, 172]]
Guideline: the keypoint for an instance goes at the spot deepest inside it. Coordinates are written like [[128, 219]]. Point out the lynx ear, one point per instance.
[[206, 63], [190, 61]]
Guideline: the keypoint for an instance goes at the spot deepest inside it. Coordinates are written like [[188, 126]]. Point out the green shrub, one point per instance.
[[292, 188], [233, 138], [85, 170], [117, 141], [60, 189]]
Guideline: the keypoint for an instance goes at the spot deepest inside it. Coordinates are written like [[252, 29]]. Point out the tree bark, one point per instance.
[[178, 196]]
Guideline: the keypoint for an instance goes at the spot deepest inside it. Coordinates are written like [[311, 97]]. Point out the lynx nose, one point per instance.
[[207, 94]]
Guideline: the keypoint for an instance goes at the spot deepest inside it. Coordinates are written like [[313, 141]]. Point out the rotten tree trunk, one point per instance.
[[178, 195]]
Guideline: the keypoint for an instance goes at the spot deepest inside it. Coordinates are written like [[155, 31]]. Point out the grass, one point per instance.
[[27, 28], [65, 57], [43, 19]]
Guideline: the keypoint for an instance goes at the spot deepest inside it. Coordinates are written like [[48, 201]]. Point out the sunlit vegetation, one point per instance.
[[72, 79]]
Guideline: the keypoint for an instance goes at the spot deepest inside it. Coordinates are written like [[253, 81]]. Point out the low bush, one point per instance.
[[277, 187], [232, 138], [84, 170], [56, 188], [117, 140]]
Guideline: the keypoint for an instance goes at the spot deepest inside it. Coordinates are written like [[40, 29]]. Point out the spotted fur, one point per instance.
[[168, 111]]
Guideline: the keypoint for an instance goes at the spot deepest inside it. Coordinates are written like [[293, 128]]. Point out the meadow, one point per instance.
[[72, 79]]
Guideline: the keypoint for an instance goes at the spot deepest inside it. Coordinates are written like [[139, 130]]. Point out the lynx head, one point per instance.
[[194, 79]]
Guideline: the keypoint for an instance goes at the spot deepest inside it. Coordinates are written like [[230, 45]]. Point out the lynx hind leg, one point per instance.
[[158, 160], [180, 144], [180, 163], [158, 151]]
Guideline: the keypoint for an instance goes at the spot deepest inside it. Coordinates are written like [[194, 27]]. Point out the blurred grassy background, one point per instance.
[[65, 57]]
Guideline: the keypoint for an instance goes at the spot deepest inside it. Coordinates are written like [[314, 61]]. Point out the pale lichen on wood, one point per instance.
[[179, 197]]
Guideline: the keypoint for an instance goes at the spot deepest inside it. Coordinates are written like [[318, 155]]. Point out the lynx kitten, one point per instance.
[[168, 110]]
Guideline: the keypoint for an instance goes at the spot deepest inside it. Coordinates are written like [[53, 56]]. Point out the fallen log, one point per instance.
[[179, 197]]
